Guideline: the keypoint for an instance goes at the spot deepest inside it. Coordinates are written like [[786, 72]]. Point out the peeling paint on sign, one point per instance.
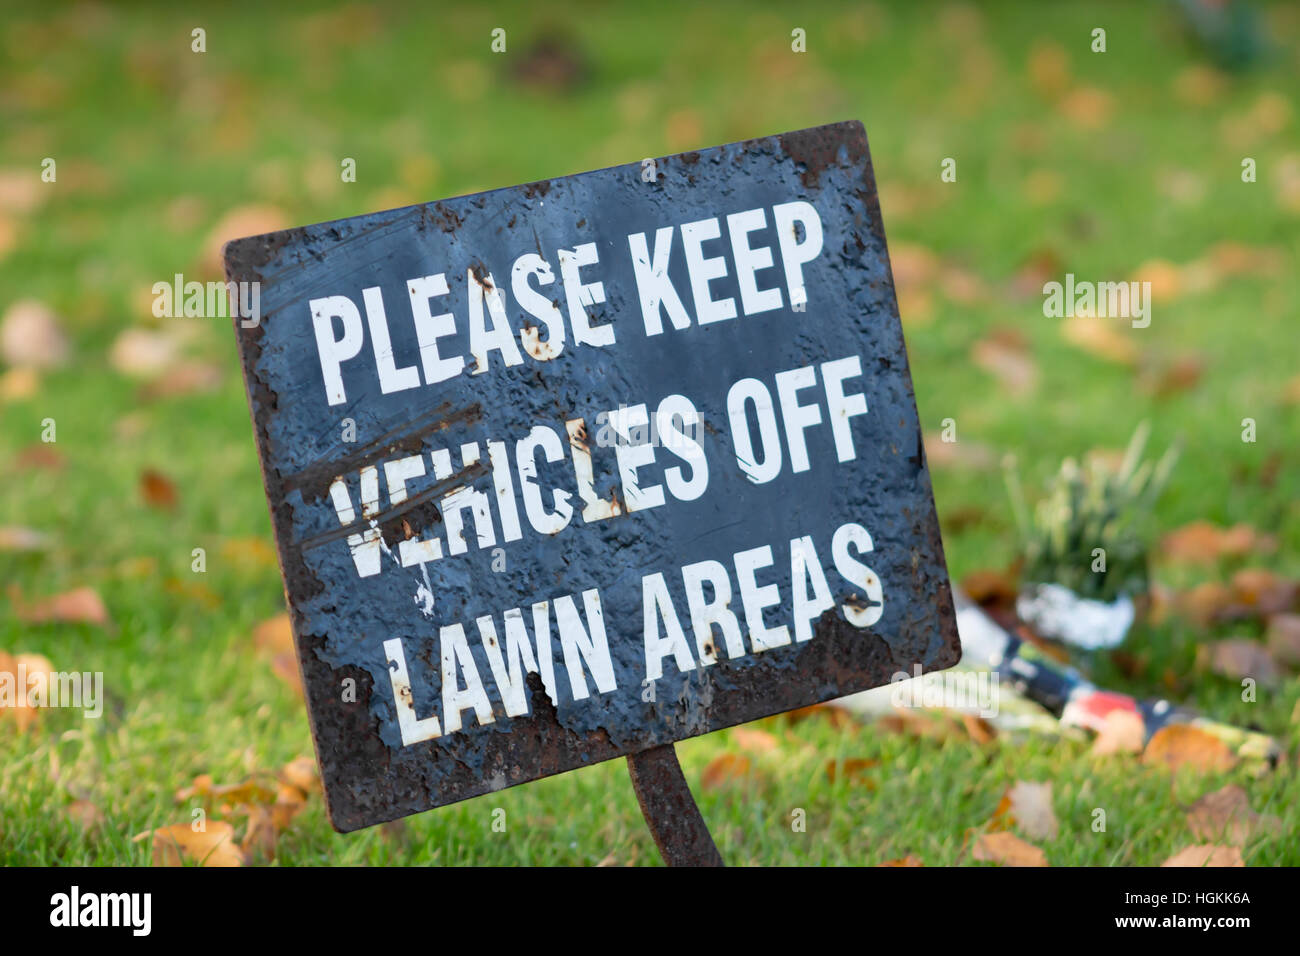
[[636, 458]]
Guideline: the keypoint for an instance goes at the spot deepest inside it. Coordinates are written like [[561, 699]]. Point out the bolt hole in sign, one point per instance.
[[569, 470]]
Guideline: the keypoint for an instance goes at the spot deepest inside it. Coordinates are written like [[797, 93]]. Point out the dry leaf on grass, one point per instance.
[[755, 741], [1225, 815], [40, 458], [144, 353], [1100, 337], [1008, 850], [85, 814], [1166, 377], [15, 538], [1028, 806], [179, 845], [251, 553], [269, 802], [158, 491], [30, 337], [1284, 638], [1204, 543], [1165, 278], [912, 723], [1205, 603], [724, 769], [1122, 732], [78, 606], [1087, 107], [18, 384], [183, 378], [1264, 592], [237, 223], [965, 453], [839, 717], [978, 729], [275, 634], [301, 773], [851, 770], [193, 591], [260, 835], [1183, 745], [1206, 854], [19, 670], [1034, 273], [274, 637], [1005, 355], [1239, 657], [909, 860]]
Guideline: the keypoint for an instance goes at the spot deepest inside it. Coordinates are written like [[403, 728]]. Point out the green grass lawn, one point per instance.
[[1095, 163]]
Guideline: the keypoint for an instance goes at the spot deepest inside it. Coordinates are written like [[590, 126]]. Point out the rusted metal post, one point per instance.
[[669, 809]]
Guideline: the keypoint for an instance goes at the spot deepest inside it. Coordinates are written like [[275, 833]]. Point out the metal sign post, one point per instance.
[[670, 810]]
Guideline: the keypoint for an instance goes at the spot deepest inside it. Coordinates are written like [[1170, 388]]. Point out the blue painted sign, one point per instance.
[[569, 470]]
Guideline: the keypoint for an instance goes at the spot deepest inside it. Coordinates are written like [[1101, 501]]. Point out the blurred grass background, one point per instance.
[[1123, 164]]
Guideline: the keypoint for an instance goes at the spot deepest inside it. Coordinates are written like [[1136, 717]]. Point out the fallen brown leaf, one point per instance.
[[1049, 69], [978, 729], [1205, 603], [1100, 337], [1263, 591], [21, 383], [274, 637], [214, 845], [1029, 807], [1206, 854], [144, 353], [15, 538], [78, 606], [755, 741], [1034, 273], [158, 490], [1087, 107], [85, 814], [300, 772], [1163, 378], [1204, 543], [852, 770], [964, 453], [20, 668], [1005, 355], [1008, 850], [252, 553], [909, 860], [31, 337], [1183, 745], [724, 769], [183, 378], [1239, 657], [261, 834], [1284, 638], [1224, 814], [1165, 278], [237, 223], [40, 457], [838, 717]]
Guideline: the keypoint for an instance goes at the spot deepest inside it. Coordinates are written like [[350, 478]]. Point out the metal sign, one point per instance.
[[580, 468]]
